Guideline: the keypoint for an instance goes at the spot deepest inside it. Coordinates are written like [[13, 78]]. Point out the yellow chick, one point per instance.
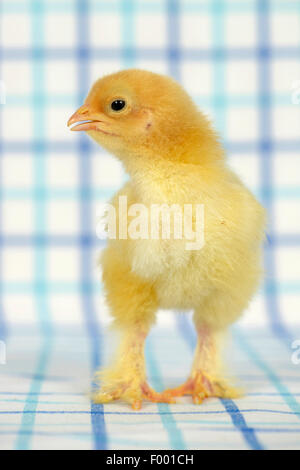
[[172, 156]]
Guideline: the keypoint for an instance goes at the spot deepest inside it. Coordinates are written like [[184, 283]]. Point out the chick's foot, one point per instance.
[[201, 386], [132, 391]]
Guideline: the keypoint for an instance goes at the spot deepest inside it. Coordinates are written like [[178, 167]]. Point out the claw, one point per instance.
[[201, 387], [134, 397], [136, 405], [152, 395], [184, 389], [102, 397], [197, 400]]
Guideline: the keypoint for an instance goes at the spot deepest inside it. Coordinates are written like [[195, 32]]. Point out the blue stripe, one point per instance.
[[239, 422], [234, 100], [231, 407], [3, 320], [271, 288], [128, 49], [266, 168], [281, 192], [218, 101], [217, 12], [23, 440], [66, 240], [266, 161], [149, 413], [156, 6], [25, 431], [90, 287], [134, 441], [174, 433], [199, 54], [173, 50], [38, 78], [286, 395], [23, 147], [97, 416]]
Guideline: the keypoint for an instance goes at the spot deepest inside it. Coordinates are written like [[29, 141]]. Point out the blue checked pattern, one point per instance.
[[240, 60]]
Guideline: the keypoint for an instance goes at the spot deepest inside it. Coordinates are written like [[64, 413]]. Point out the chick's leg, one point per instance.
[[205, 379], [126, 379], [133, 304]]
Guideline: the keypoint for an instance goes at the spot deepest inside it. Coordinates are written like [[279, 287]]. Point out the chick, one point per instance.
[[172, 156]]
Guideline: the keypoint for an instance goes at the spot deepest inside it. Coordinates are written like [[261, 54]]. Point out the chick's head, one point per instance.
[[135, 111]]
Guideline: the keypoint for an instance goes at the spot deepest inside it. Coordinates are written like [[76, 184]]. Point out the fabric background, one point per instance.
[[240, 60]]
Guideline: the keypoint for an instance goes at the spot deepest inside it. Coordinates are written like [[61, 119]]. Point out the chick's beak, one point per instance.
[[84, 119]]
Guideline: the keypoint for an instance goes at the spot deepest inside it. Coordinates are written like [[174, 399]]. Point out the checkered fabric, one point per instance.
[[240, 60]]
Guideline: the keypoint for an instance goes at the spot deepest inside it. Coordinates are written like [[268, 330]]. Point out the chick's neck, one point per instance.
[[165, 174]]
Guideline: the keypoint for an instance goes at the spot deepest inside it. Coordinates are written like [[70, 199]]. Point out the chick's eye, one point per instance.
[[117, 105]]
